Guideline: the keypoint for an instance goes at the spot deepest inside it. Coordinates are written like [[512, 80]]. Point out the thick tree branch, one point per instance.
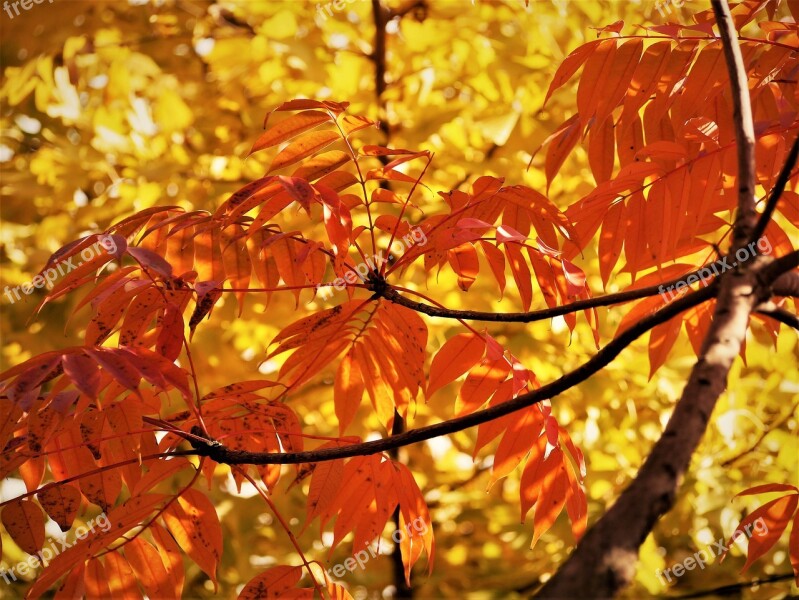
[[746, 217], [221, 454], [381, 16], [604, 560]]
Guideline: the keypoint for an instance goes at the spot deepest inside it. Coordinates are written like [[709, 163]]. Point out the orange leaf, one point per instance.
[[102, 488], [122, 583], [96, 581], [122, 518], [661, 341], [148, 568], [171, 558], [521, 436], [289, 128], [325, 484], [337, 591], [347, 391], [458, 354], [305, 104], [193, 521], [322, 165], [272, 583], [552, 498], [496, 261], [481, 382], [415, 520], [303, 147], [72, 588]]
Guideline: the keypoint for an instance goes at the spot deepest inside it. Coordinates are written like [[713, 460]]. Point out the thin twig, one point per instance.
[[779, 187], [734, 588], [781, 315], [771, 427], [535, 315]]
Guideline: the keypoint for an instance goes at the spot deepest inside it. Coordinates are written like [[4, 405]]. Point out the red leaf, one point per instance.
[[570, 65], [170, 337], [299, 189], [575, 277], [768, 487], [763, 527], [150, 259]]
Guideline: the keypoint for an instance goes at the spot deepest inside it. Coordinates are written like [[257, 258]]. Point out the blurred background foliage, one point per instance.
[[112, 107]]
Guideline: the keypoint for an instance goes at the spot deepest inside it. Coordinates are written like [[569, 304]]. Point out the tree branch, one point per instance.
[[381, 16], [781, 315], [411, 5], [746, 216], [734, 588], [766, 430], [779, 187], [536, 315], [775, 270], [221, 454], [604, 560], [786, 284]]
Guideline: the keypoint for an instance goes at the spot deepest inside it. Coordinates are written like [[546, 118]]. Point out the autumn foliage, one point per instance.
[[110, 425]]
